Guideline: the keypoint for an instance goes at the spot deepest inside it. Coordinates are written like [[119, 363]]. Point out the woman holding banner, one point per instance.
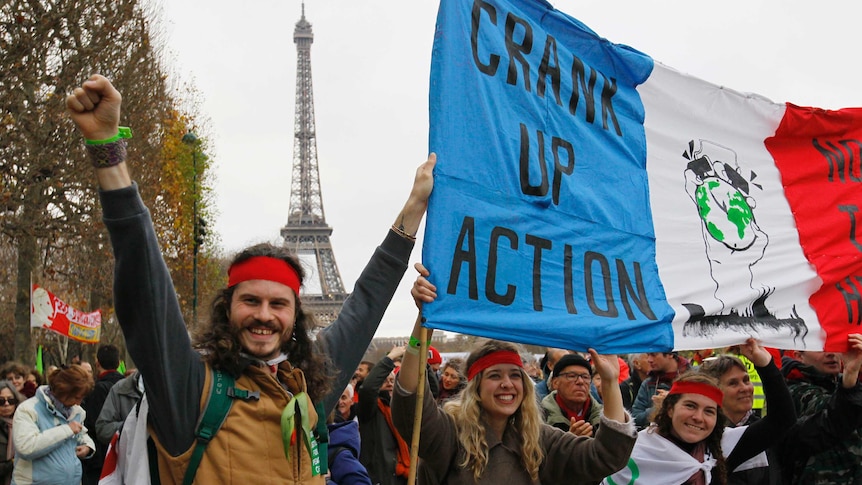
[[688, 442], [492, 432]]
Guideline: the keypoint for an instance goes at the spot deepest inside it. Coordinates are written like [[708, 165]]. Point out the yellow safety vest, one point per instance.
[[759, 397]]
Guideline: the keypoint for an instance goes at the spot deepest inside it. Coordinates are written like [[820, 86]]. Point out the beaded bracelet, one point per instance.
[[403, 233], [110, 151]]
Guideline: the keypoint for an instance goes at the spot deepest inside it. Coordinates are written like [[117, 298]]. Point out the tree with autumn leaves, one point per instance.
[[185, 203], [51, 232]]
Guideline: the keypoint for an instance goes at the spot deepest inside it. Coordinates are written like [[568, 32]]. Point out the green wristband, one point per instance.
[[415, 343], [123, 132]]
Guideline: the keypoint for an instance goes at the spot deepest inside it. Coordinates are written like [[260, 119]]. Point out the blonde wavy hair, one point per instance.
[[466, 409]]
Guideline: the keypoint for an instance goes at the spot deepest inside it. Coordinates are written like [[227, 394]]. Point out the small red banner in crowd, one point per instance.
[[49, 312]]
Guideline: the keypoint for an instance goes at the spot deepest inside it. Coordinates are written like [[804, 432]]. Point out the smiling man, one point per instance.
[[569, 406], [258, 333]]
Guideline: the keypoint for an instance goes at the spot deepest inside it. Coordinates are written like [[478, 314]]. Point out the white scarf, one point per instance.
[[271, 363], [656, 460]]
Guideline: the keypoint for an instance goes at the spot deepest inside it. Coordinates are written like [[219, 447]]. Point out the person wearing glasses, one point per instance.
[[9, 400], [569, 407]]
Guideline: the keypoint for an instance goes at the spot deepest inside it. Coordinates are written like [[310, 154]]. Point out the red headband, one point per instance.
[[705, 390], [494, 358], [264, 268]]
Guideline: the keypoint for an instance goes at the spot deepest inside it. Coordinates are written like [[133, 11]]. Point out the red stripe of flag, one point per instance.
[[819, 155]]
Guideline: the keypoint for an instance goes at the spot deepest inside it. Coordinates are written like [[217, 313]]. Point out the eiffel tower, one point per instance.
[[306, 232]]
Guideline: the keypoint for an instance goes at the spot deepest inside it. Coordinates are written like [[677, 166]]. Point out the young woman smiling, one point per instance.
[[492, 432], [688, 442]]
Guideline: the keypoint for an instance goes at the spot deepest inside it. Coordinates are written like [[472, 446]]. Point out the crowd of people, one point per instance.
[[256, 397], [55, 431], [483, 420]]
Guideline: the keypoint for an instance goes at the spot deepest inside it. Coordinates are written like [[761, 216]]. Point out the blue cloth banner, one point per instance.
[[539, 227]]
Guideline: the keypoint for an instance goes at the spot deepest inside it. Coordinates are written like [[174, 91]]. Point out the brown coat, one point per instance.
[[568, 458], [248, 448]]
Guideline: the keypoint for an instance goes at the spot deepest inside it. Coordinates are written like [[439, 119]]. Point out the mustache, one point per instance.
[[236, 330]]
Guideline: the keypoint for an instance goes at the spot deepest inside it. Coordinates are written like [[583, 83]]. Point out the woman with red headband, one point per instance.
[[687, 443], [493, 433]]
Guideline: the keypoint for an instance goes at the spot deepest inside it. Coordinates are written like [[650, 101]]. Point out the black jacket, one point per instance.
[[379, 452], [92, 404]]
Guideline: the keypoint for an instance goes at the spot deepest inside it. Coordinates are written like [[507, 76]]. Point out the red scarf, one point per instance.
[[569, 413], [402, 467]]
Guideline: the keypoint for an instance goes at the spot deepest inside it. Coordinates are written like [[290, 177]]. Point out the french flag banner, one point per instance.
[[588, 196]]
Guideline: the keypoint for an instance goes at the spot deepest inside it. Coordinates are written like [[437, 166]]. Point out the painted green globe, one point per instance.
[[726, 214]]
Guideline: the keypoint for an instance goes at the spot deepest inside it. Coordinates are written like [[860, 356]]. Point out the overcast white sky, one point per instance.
[[371, 63]]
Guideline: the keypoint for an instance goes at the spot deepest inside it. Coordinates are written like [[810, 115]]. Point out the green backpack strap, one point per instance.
[[322, 434], [215, 411]]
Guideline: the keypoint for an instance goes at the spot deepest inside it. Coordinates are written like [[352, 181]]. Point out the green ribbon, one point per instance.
[[288, 427]]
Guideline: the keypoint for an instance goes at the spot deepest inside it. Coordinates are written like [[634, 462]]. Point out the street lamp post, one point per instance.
[[191, 140]]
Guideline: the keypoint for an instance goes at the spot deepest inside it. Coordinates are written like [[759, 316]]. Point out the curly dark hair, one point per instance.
[[219, 342], [713, 441]]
